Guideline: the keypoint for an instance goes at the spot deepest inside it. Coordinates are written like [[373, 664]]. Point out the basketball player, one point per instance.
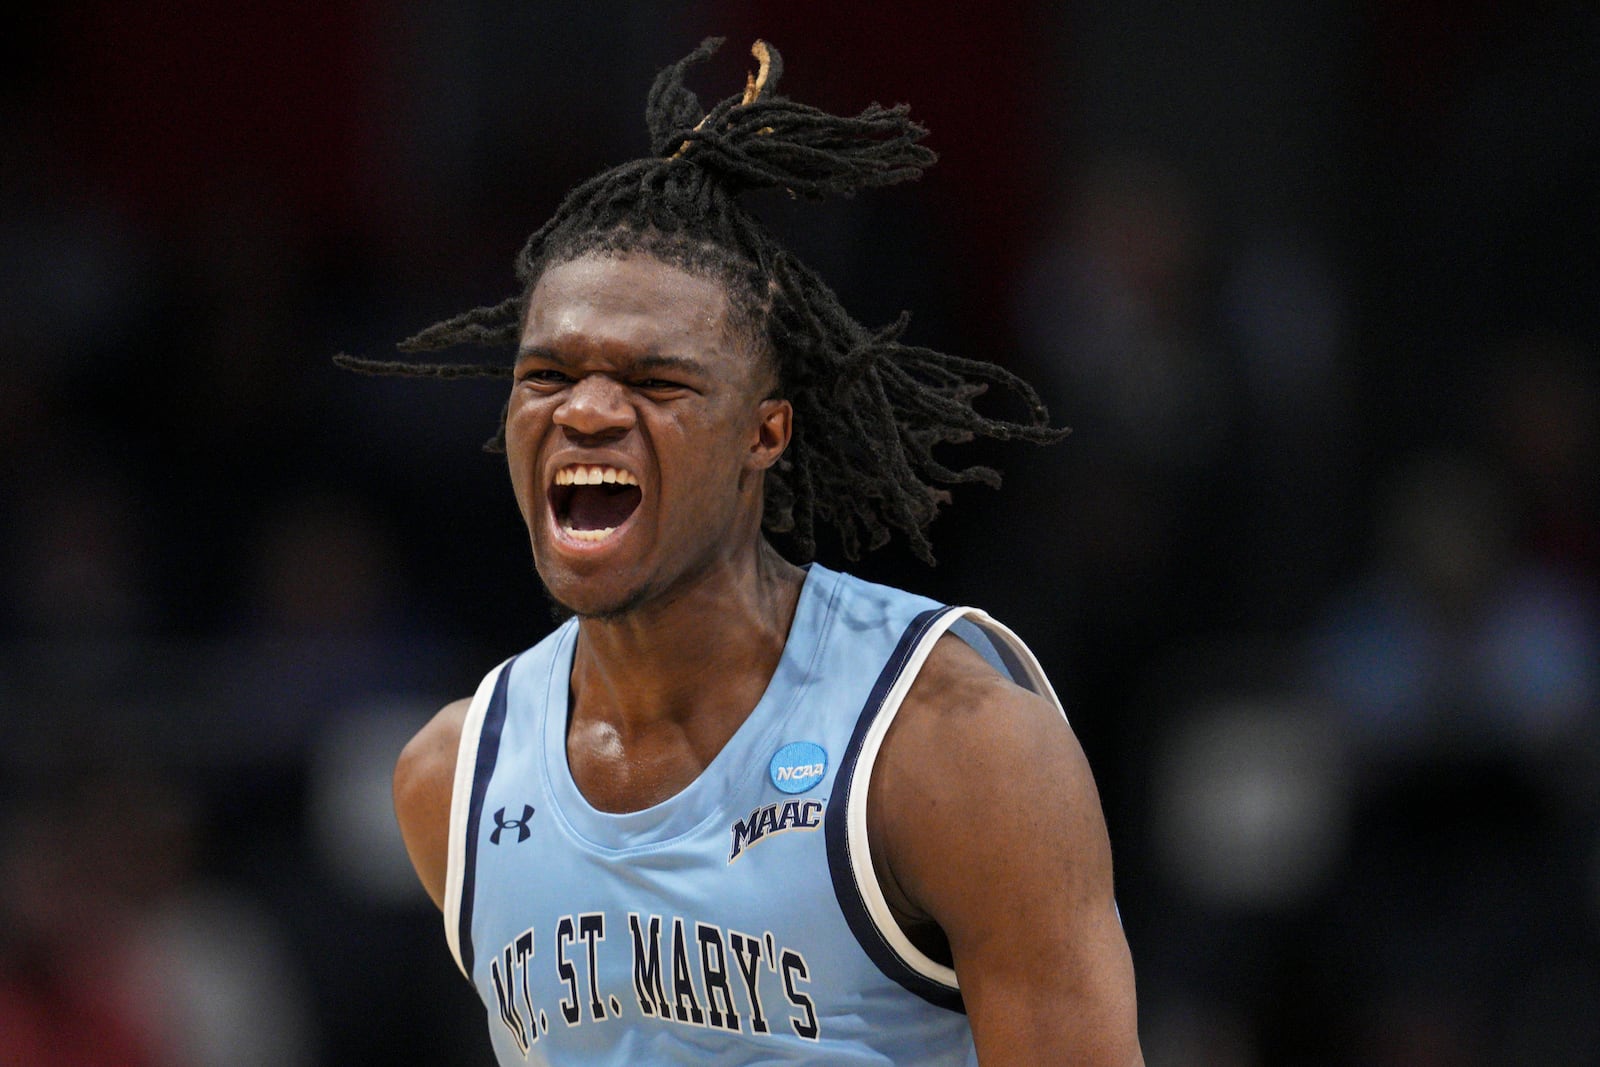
[[738, 810]]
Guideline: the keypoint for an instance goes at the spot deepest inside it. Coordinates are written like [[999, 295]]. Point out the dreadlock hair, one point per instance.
[[868, 410]]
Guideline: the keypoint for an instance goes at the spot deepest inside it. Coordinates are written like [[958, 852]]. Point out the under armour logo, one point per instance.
[[503, 823]]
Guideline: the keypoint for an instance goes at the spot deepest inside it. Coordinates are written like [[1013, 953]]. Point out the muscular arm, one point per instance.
[[423, 779], [985, 821]]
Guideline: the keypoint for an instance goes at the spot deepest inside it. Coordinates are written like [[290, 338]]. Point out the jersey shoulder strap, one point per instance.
[[855, 881], [480, 735]]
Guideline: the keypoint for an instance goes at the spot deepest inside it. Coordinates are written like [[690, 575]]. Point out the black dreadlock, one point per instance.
[[868, 410]]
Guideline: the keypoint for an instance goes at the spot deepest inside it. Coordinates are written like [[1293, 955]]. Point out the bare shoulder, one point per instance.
[[424, 778], [988, 822], [958, 688], [969, 744], [966, 730]]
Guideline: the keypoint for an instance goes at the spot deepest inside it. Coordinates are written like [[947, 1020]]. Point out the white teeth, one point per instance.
[[589, 535], [580, 474]]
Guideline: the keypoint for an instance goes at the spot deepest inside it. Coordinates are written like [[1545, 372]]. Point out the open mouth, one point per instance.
[[590, 502]]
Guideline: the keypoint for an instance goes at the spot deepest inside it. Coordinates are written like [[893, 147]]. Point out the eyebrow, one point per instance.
[[649, 362], [677, 363]]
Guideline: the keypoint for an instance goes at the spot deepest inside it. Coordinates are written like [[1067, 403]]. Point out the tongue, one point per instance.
[[600, 507]]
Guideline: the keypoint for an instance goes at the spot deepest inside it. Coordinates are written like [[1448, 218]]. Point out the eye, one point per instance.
[[543, 377], [660, 386]]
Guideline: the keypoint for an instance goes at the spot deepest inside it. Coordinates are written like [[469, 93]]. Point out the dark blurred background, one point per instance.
[[1315, 285]]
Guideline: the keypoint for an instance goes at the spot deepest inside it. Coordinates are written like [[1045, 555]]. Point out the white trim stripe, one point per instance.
[[460, 803], [860, 851]]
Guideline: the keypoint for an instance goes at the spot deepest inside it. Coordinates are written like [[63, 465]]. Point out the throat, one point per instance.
[[655, 695]]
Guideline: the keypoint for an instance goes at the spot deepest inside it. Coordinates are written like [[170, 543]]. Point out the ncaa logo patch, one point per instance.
[[798, 766]]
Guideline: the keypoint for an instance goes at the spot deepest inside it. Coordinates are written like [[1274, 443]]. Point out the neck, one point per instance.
[[699, 658]]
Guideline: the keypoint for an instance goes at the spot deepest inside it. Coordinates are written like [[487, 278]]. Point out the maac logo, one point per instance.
[[502, 824], [774, 819], [798, 766]]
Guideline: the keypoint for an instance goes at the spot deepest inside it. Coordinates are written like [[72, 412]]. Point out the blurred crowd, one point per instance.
[[1317, 573]]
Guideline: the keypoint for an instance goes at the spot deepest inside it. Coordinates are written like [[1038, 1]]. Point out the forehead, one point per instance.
[[634, 301]]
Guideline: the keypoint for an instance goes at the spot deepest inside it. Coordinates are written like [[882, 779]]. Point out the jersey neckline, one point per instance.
[[745, 754]]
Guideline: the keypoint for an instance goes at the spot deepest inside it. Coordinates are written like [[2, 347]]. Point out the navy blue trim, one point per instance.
[[494, 719], [836, 827], [998, 651], [1014, 664]]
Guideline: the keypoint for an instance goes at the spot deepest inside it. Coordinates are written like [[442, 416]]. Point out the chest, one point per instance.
[[730, 927], [708, 927], [618, 773]]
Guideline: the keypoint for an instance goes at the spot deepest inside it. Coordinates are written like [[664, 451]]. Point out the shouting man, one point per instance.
[[739, 808]]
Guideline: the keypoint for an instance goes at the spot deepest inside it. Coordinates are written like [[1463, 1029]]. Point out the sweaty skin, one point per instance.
[[993, 845]]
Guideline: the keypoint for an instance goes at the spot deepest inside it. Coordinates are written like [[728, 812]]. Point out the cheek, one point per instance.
[[520, 459], [527, 414], [704, 461]]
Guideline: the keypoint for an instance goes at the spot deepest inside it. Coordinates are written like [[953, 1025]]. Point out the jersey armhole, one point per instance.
[[457, 859], [865, 907]]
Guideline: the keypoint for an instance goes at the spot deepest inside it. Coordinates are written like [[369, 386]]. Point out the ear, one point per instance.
[[774, 427]]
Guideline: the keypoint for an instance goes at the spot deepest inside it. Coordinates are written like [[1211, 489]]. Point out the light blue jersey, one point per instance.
[[740, 921]]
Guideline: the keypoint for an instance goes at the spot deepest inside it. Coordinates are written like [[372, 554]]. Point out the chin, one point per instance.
[[586, 599]]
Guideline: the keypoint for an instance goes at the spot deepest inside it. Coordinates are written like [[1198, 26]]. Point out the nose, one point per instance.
[[596, 406]]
